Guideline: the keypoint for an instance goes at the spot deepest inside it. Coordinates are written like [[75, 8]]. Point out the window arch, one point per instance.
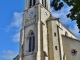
[[31, 42]]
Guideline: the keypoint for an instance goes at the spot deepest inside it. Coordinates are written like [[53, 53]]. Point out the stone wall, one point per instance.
[[71, 48]]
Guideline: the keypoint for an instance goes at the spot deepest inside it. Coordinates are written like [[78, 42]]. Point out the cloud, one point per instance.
[[16, 37], [8, 55], [16, 21], [15, 26], [71, 25], [62, 14], [74, 29]]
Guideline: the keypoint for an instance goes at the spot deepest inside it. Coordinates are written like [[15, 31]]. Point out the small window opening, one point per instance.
[[54, 34], [66, 34], [55, 47]]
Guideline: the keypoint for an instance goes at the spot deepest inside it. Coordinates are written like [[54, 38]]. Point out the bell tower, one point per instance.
[[34, 24], [31, 3]]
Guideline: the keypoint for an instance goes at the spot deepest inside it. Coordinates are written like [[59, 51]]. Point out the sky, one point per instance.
[[10, 24], [11, 13]]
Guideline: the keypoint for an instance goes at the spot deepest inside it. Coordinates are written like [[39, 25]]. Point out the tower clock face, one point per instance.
[[31, 14], [45, 14]]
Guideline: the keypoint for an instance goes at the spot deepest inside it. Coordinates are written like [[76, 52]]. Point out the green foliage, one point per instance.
[[74, 12], [57, 4]]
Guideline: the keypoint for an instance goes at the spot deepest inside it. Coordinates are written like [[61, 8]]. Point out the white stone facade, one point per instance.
[[48, 32]]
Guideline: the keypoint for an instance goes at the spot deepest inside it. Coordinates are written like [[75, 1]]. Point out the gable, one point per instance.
[[71, 48]]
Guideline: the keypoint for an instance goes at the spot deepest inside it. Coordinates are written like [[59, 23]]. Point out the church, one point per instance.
[[44, 37]]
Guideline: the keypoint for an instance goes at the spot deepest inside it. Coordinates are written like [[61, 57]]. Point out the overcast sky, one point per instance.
[[11, 21]]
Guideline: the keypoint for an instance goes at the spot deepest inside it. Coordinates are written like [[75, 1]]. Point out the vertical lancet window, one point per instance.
[[42, 1], [31, 42], [32, 3], [45, 3]]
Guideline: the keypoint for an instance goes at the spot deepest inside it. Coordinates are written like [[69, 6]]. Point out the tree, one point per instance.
[[74, 12]]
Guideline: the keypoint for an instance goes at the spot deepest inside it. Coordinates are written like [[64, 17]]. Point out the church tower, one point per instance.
[[44, 37], [31, 3], [34, 24]]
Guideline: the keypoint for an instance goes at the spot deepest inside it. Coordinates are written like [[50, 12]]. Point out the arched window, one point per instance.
[[31, 42]]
